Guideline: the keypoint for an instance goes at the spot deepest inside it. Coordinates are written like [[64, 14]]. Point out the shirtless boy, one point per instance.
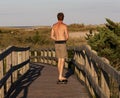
[[60, 35]]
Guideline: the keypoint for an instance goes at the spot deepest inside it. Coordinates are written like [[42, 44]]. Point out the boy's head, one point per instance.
[[60, 16]]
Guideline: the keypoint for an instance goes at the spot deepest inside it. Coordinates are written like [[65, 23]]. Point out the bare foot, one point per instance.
[[62, 78]]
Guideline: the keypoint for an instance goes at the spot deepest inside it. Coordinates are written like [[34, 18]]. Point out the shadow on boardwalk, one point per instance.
[[40, 82], [24, 82]]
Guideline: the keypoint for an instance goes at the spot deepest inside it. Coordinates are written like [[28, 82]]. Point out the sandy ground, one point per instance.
[[80, 34]]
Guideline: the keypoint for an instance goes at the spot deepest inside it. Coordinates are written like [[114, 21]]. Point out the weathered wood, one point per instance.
[[12, 59], [27, 56], [19, 61], [1, 76], [104, 84], [35, 52], [8, 65], [23, 59], [90, 68], [85, 59], [14, 62], [45, 85]]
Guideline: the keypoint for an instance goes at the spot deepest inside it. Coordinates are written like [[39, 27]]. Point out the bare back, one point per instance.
[[59, 31]]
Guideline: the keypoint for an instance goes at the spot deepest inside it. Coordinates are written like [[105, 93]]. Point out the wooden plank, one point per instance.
[[41, 83]]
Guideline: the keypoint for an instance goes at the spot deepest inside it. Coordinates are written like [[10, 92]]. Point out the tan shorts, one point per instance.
[[61, 50]]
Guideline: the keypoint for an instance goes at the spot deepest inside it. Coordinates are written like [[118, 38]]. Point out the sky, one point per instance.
[[44, 12]]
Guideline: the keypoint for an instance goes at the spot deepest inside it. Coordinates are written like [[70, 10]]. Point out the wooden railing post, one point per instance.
[[54, 62], [23, 59], [8, 65], [1, 76], [35, 54], [45, 55], [53, 53], [42, 54], [27, 55], [94, 76], [14, 62], [19, 61], [49, 55], [81, 59], [104, 83]]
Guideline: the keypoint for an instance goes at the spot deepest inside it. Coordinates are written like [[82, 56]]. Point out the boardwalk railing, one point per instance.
[[44, 56], [14, 62], [101, 79]]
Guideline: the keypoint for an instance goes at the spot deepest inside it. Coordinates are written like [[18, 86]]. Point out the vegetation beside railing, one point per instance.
[[101, 79], [14, 62], [107, 42]]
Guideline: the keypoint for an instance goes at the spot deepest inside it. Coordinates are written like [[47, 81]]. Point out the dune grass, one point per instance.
[[35, 37]]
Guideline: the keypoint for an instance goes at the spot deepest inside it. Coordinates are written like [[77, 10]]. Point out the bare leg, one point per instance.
[[59, 65], [61, 62]]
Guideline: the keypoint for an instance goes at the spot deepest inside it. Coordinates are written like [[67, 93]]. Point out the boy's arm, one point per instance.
[[66, 33], [52, 34]]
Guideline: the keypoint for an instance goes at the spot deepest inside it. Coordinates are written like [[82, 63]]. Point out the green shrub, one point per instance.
[[107, 42]]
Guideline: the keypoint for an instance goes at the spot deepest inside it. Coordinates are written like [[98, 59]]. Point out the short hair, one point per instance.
[[60, 16]]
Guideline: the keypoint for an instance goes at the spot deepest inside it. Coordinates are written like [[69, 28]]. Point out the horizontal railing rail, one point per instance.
[[14, 62]]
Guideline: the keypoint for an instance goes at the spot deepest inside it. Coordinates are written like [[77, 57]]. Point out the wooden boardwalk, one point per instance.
[[40, 82]]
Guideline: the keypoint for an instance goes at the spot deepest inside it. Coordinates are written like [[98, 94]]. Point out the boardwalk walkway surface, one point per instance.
[[40, 82]]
